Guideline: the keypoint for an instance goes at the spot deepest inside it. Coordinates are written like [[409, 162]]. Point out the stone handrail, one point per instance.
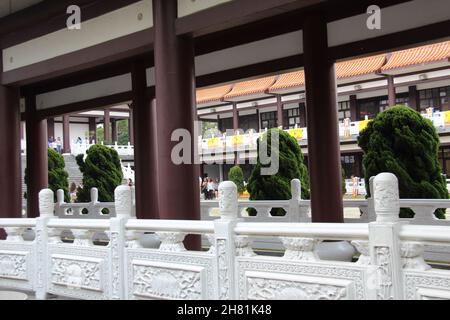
[[90, 210], [390, 265]]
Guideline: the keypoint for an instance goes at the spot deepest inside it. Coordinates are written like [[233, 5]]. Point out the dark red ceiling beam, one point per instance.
[[49, 16]]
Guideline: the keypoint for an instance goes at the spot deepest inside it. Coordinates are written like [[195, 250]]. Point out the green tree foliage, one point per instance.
[[57, 175], [101, 169], [291, 166], [237, 176], [401, 141], [100, 135], [122, 133], [206, 126], [344, 189]]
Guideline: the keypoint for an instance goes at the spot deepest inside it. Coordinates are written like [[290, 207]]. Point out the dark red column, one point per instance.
[[413, 98], [51, 128], [391, 91], [130, 129], [302, 113], [66, 134], [179, 196], [322, 121], [113, 131], [92, 130], [106, 126], [353, 108], [145, 160], [280, 121], [10, 162], [37, 161], [235, 128], [235, 118]]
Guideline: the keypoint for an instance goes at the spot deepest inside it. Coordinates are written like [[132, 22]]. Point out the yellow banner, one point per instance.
[[213, 143], [237, 140], [447, 117], [363, 125], [296, 133]]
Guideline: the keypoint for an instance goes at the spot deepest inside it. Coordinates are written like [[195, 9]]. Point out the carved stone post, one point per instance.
[[385, 276], [293, 213], [46, 210], [225, 240], [59, 201], [117, 240]]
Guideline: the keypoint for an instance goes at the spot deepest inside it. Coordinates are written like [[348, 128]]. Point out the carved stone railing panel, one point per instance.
[[391, 263]]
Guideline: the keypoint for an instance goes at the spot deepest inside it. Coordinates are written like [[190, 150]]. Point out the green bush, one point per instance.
[[291, 166], [237, 176], [344, 189], [101, 169], [401, 141], [57, 175]]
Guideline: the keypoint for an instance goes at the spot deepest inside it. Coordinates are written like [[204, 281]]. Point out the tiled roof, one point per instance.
[[360, 66], [212, 94], [344, 69], [289, 80], [250, 87], [430, 53]]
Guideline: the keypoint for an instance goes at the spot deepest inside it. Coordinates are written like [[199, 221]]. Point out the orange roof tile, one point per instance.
[[419, 55], [360, 66], [212, 94], [289, 80], [250, 87]]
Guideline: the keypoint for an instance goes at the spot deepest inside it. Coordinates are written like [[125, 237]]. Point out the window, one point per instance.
[[343, 110], [444, 159], [371, 107], [438, 98], [248, 122], [291, 118], [269, 120], [225, 124], [351, 163]]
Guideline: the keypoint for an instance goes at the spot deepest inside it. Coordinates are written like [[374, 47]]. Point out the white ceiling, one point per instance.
[[10, 6]]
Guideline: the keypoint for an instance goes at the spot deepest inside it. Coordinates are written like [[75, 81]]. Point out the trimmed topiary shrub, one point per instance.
[[237, 176], [291, 166], [57, 174], [102, 170], [344, 189], [401, 141]]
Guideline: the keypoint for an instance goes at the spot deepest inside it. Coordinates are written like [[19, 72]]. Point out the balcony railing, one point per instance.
[[390, 264]]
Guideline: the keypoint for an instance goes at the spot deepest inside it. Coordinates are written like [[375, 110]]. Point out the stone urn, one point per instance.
[[150, 240], [336, 250]]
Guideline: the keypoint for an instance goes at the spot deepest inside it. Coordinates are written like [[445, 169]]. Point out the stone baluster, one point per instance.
[[83, 237], [117, 236], [363, 248], [295, 213], [171, 241], [371, 215], [14, 234], [94, 195], [59, 202], [385, 271], [46, 211], [300, 248], [412, 256], [224, 243], [132, 239], [244, 246]]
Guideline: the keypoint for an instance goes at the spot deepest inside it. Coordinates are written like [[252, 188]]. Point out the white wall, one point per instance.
[[76, 130]]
